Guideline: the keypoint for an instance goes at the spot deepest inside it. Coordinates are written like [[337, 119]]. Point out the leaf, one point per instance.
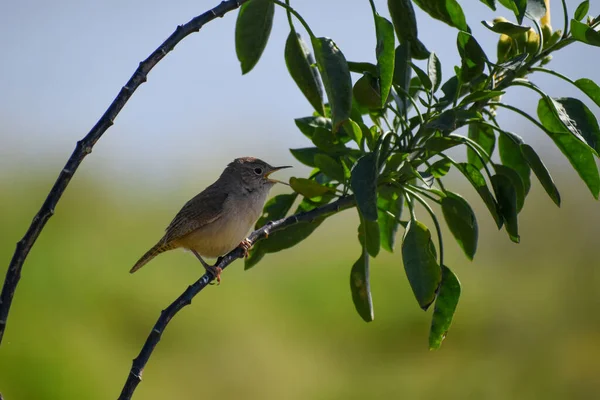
[[402, 69], [584, 33], [290, 236], [420, 263], [536, 9], [478, 181], [445, 306], [299, 62], [579, 120], [472, 55], [328, 142], [360, 287], [252, 30], [362, 67], [424, 78], [579, 154], [385, 56], [440, 168], [540, 170], [485, 137], [330, 167], [366, 92], [590, 88], [306, 155], [276, 208], [364, 185], [308, 125], [519, 7], [336, 78], [511, 156], [490, 3], [582, 10], [480, 95], [308, 188], [462, 222], [447, 11], [405, 25], [391, 201], [353, 130], [368, 236], [434, 71], [514, 177], [505, 27], [507, 204]]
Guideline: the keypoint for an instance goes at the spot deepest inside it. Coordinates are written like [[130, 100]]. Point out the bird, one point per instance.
[[217, 220]]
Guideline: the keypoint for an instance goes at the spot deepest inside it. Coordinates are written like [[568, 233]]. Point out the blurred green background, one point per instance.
[[527, 326]]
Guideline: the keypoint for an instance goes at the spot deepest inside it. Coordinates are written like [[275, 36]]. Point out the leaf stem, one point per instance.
[[566, 17], [298, 17]]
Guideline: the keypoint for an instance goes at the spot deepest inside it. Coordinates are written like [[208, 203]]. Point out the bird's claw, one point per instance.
[[245, 245]]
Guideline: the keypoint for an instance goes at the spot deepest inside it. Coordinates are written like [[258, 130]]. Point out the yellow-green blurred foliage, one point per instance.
[[527, 326]]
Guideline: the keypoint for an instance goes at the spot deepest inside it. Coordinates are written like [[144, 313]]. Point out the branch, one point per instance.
[[135, 374], [84, 147]]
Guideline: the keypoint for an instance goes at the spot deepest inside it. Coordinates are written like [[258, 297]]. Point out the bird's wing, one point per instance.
[[202, 210]]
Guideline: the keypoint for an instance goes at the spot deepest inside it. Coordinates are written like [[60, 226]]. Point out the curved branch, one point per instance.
[[84, 147], [137, 368]]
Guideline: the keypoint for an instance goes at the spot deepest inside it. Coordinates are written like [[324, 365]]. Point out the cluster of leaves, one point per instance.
[[384, 136]]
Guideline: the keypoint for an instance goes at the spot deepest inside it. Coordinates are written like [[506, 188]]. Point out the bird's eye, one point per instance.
[[258, 171]]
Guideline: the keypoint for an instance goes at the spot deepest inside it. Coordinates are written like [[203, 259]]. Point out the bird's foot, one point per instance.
[[245, 245], [215, 272]]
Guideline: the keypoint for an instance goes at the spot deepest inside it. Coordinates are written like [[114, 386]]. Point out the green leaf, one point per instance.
[[425, 81], [353, 130], [584, 33], [582, 10], [328, 142], [519, 7], [368, 236], [362, 67], [308, 188], [420, 263], [252, 30], [480, 95], [590, 88], [364, 185], [536, 9], [290, 236], [392, 201], [485, 137], [462, 222], [434, 71], [405, 25], [472, 55], [439, 144], [276, 208], [445, 306], [511, 156], [516, 181], [330, 167], [360, 287], [507, 204], [478, 181], [540, 170], [579, 120], [306, 155], [440, 168], [402, 69], [506, 28], [490, 3], [299, 62], [308, 125], [366, 92], [336, 78], [579, 154], [448, 11], [385, 56]]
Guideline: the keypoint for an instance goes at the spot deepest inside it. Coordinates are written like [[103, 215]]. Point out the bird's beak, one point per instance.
[[277, 169]]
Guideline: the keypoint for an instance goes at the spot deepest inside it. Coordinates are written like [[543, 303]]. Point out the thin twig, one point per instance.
[[84, 147], [135, 374]]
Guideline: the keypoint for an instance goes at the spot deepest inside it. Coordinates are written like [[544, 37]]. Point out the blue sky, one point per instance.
[[64, 62]]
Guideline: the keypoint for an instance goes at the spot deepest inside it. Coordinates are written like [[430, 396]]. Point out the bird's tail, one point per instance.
[[158, 248]]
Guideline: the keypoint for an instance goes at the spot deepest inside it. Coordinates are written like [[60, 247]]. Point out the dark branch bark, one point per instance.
[[135, 374], [84, 147]]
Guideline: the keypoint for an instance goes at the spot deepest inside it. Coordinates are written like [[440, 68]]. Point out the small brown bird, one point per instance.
[[218, 219]]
